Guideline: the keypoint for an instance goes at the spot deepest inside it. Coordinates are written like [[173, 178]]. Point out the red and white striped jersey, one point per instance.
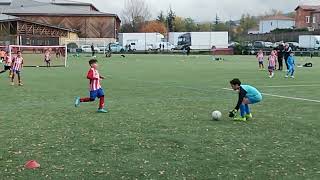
[[17, 63], [8, 61], [47, 56], [94, 77]]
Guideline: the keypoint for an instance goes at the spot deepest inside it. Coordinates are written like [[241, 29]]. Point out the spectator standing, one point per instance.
[[280, 50], [92, 50], [287, 52]]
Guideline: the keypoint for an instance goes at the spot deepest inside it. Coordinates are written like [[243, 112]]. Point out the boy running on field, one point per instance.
[[272, 63], [260, 59], [291, 64], [7, 64], [17, 65], [96, 90]]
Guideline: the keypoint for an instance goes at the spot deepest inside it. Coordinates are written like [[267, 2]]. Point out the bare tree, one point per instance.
[[135, 14]]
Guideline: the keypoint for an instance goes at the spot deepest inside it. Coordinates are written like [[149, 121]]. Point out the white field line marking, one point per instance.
[[286, 86], [284, 97]]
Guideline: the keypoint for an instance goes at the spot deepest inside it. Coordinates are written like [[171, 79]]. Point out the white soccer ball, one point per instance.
[[216, 115]]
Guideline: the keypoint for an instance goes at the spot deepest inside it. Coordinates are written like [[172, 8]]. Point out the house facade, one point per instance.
[[271, 23], [307, 17]]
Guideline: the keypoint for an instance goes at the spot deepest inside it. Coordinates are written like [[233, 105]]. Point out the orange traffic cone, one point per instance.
[[32, 164]]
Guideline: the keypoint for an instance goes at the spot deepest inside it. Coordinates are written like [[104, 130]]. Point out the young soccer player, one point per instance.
[[2, 55], [247, 95], [291, 64], [272, 64], [96, 90], [47, 58], [17, 65], [260, 60], [7, 64]]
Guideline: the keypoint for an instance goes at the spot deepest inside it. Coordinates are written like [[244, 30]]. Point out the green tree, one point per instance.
[[171, 20], [161, 18], [247, 22], [204, 27], [217, 20], [179, 24], [190, 25]]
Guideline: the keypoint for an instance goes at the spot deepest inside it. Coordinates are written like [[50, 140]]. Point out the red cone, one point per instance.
[[32, 164]]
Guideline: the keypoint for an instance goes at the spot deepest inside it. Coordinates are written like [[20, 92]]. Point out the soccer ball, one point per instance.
[[216, 115]]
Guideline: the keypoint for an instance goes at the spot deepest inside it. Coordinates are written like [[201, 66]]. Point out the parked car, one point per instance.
[[294, 45], [258, 44], [268, 44], [277, 44], [233, 44], [87, 49], [115, 48]]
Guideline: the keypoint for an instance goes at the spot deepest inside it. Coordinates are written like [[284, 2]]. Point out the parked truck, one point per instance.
[[203, 40], [309, 42], [140, 41]]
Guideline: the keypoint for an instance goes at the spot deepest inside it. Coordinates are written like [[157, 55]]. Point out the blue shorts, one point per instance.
[[96, 94], [16, 71], [260, 62], [255, 99]]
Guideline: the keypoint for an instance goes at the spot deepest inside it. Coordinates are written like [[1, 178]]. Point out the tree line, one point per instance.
[[136, 17]]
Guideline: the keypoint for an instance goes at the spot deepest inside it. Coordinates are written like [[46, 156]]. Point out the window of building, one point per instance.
[[314, 20], [307, 19]]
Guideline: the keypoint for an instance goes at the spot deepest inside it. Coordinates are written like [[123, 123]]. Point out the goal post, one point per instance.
[[34, 56]]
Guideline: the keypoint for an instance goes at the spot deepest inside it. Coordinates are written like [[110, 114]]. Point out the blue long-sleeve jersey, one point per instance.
[[291, 60]]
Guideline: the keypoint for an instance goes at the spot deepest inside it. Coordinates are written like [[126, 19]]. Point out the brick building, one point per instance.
[[307, 17]]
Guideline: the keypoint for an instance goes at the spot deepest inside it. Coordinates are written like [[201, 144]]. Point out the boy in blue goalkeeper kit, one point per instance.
[[247, 95], [291, 64]]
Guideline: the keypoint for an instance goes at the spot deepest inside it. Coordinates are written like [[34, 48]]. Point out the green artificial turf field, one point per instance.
[[159, 124]]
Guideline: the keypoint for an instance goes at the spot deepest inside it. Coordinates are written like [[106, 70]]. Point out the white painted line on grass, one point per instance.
[[286, 86], [284, 97]]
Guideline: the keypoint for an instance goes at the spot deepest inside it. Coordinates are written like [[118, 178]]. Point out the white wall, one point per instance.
[[267, 26]]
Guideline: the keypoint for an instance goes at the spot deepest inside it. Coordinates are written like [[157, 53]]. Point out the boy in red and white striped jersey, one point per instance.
[[96, 90], [17, 65], [7, 64], [47, 57]]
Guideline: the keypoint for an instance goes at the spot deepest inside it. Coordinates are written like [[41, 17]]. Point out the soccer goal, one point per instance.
[[35, 56]]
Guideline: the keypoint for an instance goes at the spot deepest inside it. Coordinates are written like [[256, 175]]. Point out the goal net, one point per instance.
[[36, 56]]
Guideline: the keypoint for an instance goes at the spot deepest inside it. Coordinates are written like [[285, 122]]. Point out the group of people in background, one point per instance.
[[282, 53]]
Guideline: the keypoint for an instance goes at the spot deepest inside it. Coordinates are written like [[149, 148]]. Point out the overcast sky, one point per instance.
[[205, 10]]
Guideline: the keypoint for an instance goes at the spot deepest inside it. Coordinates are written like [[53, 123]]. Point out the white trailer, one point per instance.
[[309, 42], [141, 41], [203, 40]]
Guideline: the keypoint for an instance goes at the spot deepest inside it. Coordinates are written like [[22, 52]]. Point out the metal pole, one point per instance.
[[65, 56]]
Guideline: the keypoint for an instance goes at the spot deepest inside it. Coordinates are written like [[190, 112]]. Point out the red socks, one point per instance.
[[85, 100], [101, 104]]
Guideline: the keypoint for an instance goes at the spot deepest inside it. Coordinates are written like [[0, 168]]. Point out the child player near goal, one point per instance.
[[17, 65], [247, 95], [47, 58], [96, 90]]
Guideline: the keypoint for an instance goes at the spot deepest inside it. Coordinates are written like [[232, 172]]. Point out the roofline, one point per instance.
[[60, 15], [52, 14], [303, 8], [278, 19], [42, 24], [76, 3]]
